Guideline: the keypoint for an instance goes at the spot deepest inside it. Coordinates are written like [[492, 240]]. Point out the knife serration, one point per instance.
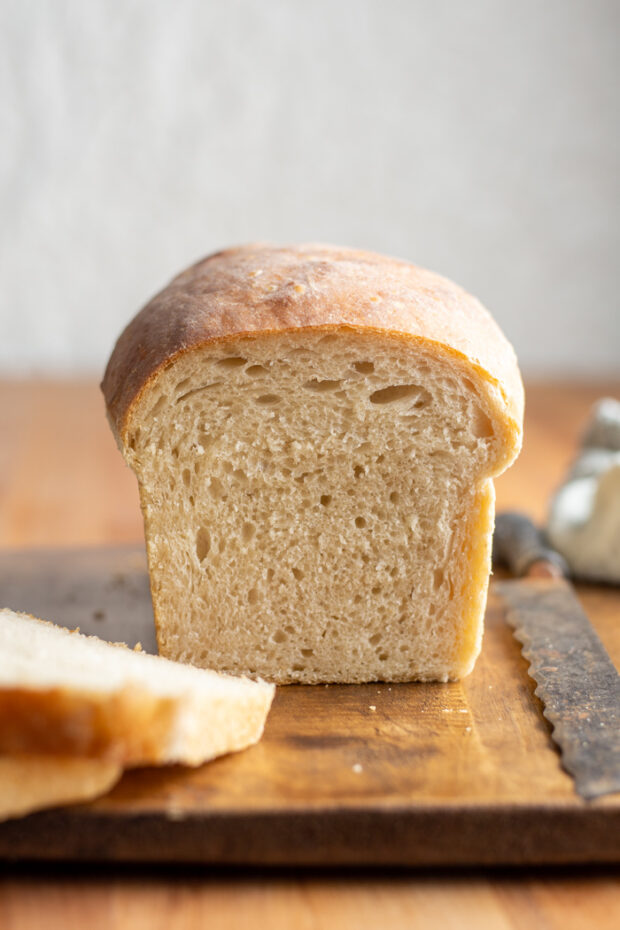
[[576, 680]]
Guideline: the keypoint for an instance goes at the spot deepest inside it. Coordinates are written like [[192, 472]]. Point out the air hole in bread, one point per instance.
[[358, 471], [252, 596], [233, 361], [197, 390], [255, 371], [374, 639], [482, 426], [376, 590], [320, 386], [440, 457], [394, 497], [364, 368], [306, 653], [268, 400], [216, 489], [159, 403], [400, 392], [248, 532], [187, 477], [298, 574], [279, 636], [438, 578], [203, 543], [383, 656], [360, 523], [270, 574], [326, 499]]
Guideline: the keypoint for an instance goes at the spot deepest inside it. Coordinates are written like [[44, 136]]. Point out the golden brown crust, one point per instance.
[[128, 727], [258, 289], [34, 782]]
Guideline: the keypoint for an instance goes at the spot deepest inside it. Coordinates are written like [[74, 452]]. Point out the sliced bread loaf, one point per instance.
[[314, 432], [64, 694]]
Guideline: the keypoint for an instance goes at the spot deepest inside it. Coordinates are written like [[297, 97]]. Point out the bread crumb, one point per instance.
[[175, 813], [357, 768], [372, 706], [468, 729]]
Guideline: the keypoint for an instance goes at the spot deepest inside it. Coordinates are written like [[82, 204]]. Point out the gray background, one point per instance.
[[476, 138]]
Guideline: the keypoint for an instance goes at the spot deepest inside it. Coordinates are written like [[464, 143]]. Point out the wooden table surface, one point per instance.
[[62, 482]]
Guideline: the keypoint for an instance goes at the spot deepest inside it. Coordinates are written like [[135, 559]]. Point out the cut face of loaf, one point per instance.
[[64, 694], [318, 505]]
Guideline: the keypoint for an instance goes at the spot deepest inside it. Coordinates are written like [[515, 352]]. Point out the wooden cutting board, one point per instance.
[[416, 774]]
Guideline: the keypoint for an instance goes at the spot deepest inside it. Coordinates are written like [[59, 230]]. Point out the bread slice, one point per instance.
[[31, 783], [314, 432], [64, 694]]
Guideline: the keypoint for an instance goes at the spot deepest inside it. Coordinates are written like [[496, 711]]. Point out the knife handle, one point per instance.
[[520, 546]]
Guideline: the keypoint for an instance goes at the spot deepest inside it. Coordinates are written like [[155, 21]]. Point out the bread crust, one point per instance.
[[262, 289], [128, 727], [34, 782]]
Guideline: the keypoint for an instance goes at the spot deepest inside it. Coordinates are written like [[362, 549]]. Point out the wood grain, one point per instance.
[[62, 482], [144, 900]]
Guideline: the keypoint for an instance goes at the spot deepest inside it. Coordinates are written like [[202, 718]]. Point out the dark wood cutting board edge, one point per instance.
[[402, 836], [403, 775]]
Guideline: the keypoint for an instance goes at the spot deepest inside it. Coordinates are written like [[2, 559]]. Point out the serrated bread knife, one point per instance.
[[575, 677]]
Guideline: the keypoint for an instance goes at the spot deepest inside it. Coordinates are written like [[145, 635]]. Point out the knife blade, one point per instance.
[[576, 680]]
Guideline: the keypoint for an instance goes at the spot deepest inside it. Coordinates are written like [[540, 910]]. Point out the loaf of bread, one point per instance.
[[315, 431], [64, 694]]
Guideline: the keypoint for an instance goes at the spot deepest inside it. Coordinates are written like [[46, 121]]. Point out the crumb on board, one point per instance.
[[357, 768], [372, 707]]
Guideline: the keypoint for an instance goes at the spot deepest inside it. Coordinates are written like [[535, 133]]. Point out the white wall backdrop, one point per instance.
[[479, 138]]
